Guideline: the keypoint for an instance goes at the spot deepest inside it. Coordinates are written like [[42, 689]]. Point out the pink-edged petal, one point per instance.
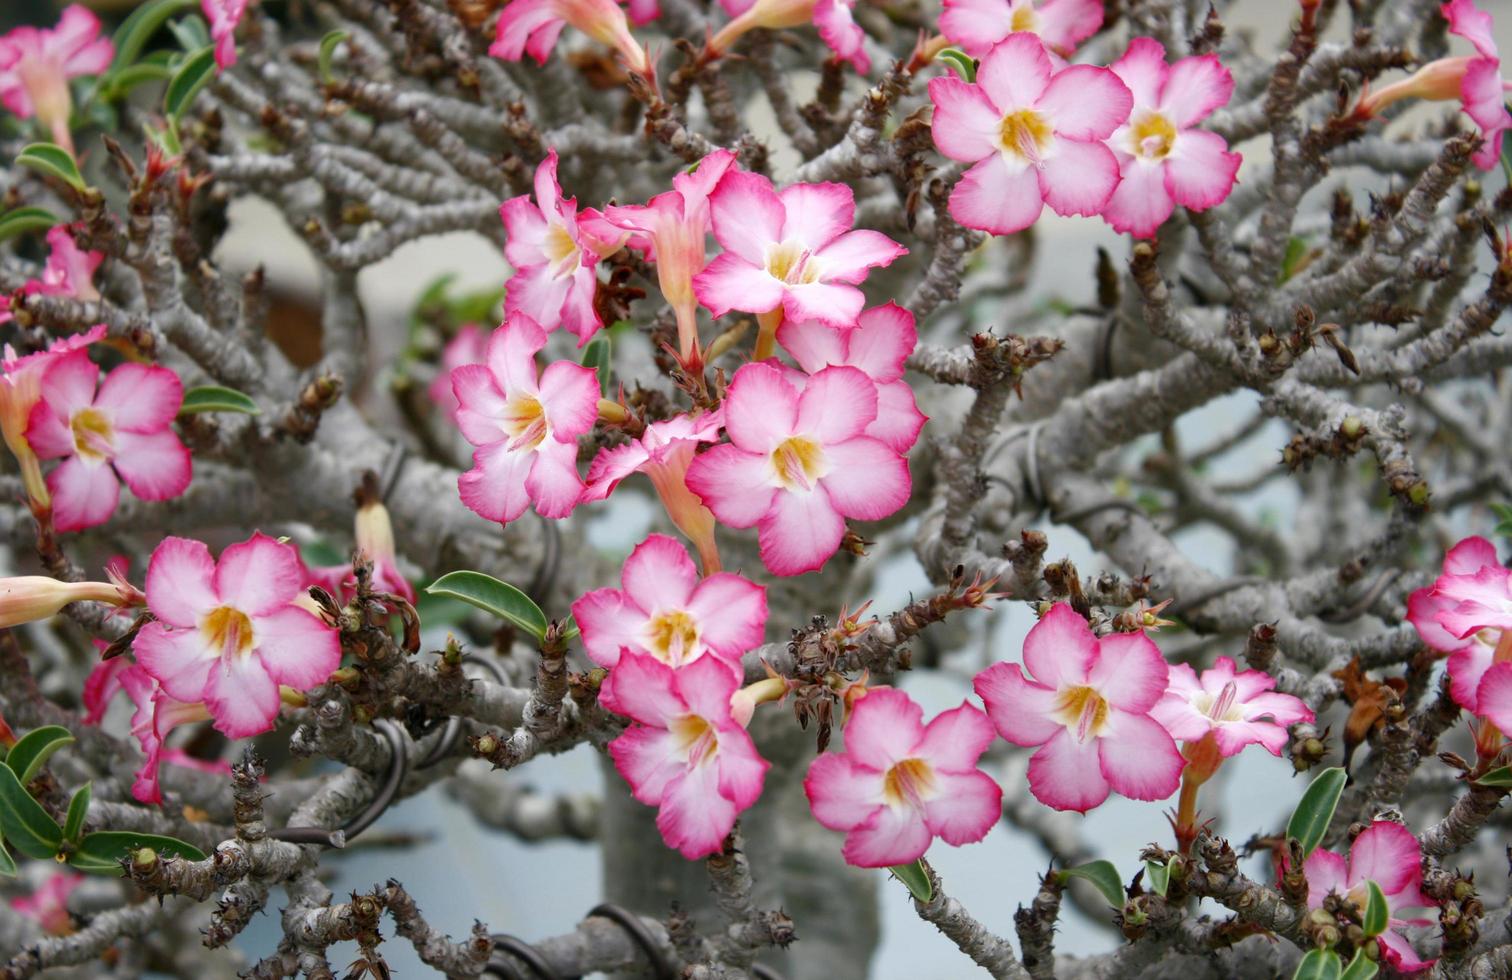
[[611, 466], [1470, 556], [569, 393], [899, 420], [813, 344], [259, 576], [552, 483], [976, 25], [1233, 736], [579, 317], [1063, 24], [642, 688], [525, 231], [84, 494], [141, 398], [495, 487], [241, 696], [885, 728], [747, 214], [1060, 649], [1016, 73], [868, 480], [1494, 696], [1181, 718], [881, 341], [731, 613], [68, 383], [76, 39], [849, 257], [816, 214], [838, 29], [706, 686], [694, 818], [155, 465], [1467, 667], [1481, 91], [1200, 172], [649, 759], [837, 404], [177, 658], [538, 293], [1194, 88], [956, 739], [1399, 954], [735, 485], [1129, 671], [1140, 203], [966, 126], [609, 622], [1021, 711], [1079, 178], [179, 584], [799, 533], [480, 404], [997, 196], [830, 303], [1471, 23], [1283, 709], [969, 805], [732, 283], [511, 354], [1143, 69], [1326, 874], [548, 190], [1065, 774], [1139, 759], [49, 433], [842, 794], [643, 11], [296, 647], [892, 835], [742, 770], [761, 409], [1086, 103], [659, 574]]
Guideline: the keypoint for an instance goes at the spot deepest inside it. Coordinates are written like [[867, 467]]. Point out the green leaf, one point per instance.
[[1309, 822], [597, 355], [962, 63], [1158, 876], [135, 31], [23, 821], [1291, 260], [491, 595], [1360, 968], [1100, 873], [54, 161], [1499, 778], [1377, 913], [213, 398], [328, 51], [120, 84], [916, 878], [192, 33], [187, 82], [78, 808], [1320, 964], [19, 221], [101, 851], [7, 863], [31, 751]]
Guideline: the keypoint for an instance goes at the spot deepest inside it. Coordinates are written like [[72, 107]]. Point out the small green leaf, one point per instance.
[[1291, 259], [328, 51], [23, 821], [192, 33], [1158, 876], [187, 82], [78, 808], [916, 878], [1100, 873], [491, 595], [1320, 964], [54, 161], [1377, 913], [101, 851], [1309, 822], [1360, 968], [598, 355], [7, 863], [31, 751], [135, 31], [213, 398], [1499, 778], [19, 221], [962, 63], [120, 84]]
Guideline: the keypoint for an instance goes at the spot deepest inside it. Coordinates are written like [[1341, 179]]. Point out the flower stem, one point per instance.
[[766, 335]]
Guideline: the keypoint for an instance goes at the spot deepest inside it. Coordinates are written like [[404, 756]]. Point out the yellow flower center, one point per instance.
[[909, 783], [525, 421], [1025, 19], [672, 635], [791, 263], [1083, 711], [92, 434], [696, 737], [799, 463], [1027, 135], [228, 631], [561, 251], [1151, 136]]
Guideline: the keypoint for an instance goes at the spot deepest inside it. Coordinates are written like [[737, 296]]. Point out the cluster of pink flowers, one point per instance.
[[36, 66]]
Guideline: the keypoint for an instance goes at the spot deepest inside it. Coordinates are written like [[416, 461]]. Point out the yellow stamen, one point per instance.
[[1027, 135], [525, 421], [672, 635], [1152, 136], [909, 783], [92, 434], [228, 630], [799, 462], [1083, 711], [696, 737]]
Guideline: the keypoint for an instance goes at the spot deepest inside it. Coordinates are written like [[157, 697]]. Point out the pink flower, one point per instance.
[[526, 430], [467, 347], [27, 598], [553, 259], [1162, 159], [37, 64], [533, 26], [1087, 705], [20, 393], [1035, 135], [375, 540], [685, 753], [223, 16], [790, 251], [899, 784], [977, 25], [156, 715], [670, 229], [48, 905], [1387, 854], [102, 685], [230, 633], [664, 610], [879, 345], [1238, 709], [837, 27], [121, 432], [664, 452], [1467, 613], [69, 272], [797, 465]]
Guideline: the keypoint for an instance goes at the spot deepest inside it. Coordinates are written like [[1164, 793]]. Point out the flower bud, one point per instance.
[[27, 598]]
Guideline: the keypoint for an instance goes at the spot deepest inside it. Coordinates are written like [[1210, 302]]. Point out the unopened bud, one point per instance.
[[1352, 427]]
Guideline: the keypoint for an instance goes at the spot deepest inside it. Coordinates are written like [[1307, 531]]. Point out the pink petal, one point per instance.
[[742, 771], [867, 480], [799, 533], [1494, 697], [642, 688], [813, 344], [609, 622], [1326, 874], [816, 214], [998, 197], [1060, 649], [1399, 954], [1086, 103], [1140, 203], [155, 465], [548, 190], [48, 432], [747, 214], [842, 794], [838, 29], [68, 383], [761, 408], [1138, 757], [735, 485], [849, 257], [966, 126], [1482, 94], [1472, 24], [241, 696], [659, 574], [1065, 774], [480, 404], [976, 25], [179, 582], [84, 494], [525, 231], [177, 658], [1079, 178], [258, 576], [969, 805], [1387, 854], [732, 283], [1015, 73], [296, 647], [1201, 171], [537, 293], [899, 420], [511, 354], [579, 317], [649, 759], [694, 818], [1470, 556], [1178, 716], [891, 835], [1283, 709], [1022, 711], [570, 395], [141, 398], [731, 613], [956, 739], [1128, 671], [495, 487], [884, 728], [1233, 736], [77, 39], [1143, 69], [837, 405], [1466, 669], [706, 686], [830, 303], [611, 466], [1194, 88], [552, 483], [881, 341], [1066, 23]]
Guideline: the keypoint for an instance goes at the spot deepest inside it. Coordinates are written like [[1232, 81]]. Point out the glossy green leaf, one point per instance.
[[23, 821], [328, 51], [53, 161], [135, 31], [1158, 877], [31, 751], [1377, 914], [1309, 822], [960, 62], [213, 398], [7, 863], [78, 809], [192, 33], [491, 595], [191, 76], [1360, 968], [1320, 964], [916, 878], [19, 221], [120, 83], [1100, 873], [101, 851], [1291, 259], [1499, 778], [598, 356]]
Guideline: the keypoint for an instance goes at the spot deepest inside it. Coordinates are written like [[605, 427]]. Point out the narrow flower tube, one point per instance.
[[27, 598]]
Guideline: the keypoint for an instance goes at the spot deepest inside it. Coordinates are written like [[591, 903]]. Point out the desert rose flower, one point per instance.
[[685, 753], [1387, 854], [374, 538], [467, 347], [837, 27], [20, 393], [1034, 134], [533, 26], [1086, 703], [977, 25], [665, 611], [526, 429], [1163, 160], [69, 271], [789, 255], [48, 905], [157, 713], [119, 433], [797, 465], [223, 16], [229, 633], [899, 784], [879, 345], [36, 65]]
